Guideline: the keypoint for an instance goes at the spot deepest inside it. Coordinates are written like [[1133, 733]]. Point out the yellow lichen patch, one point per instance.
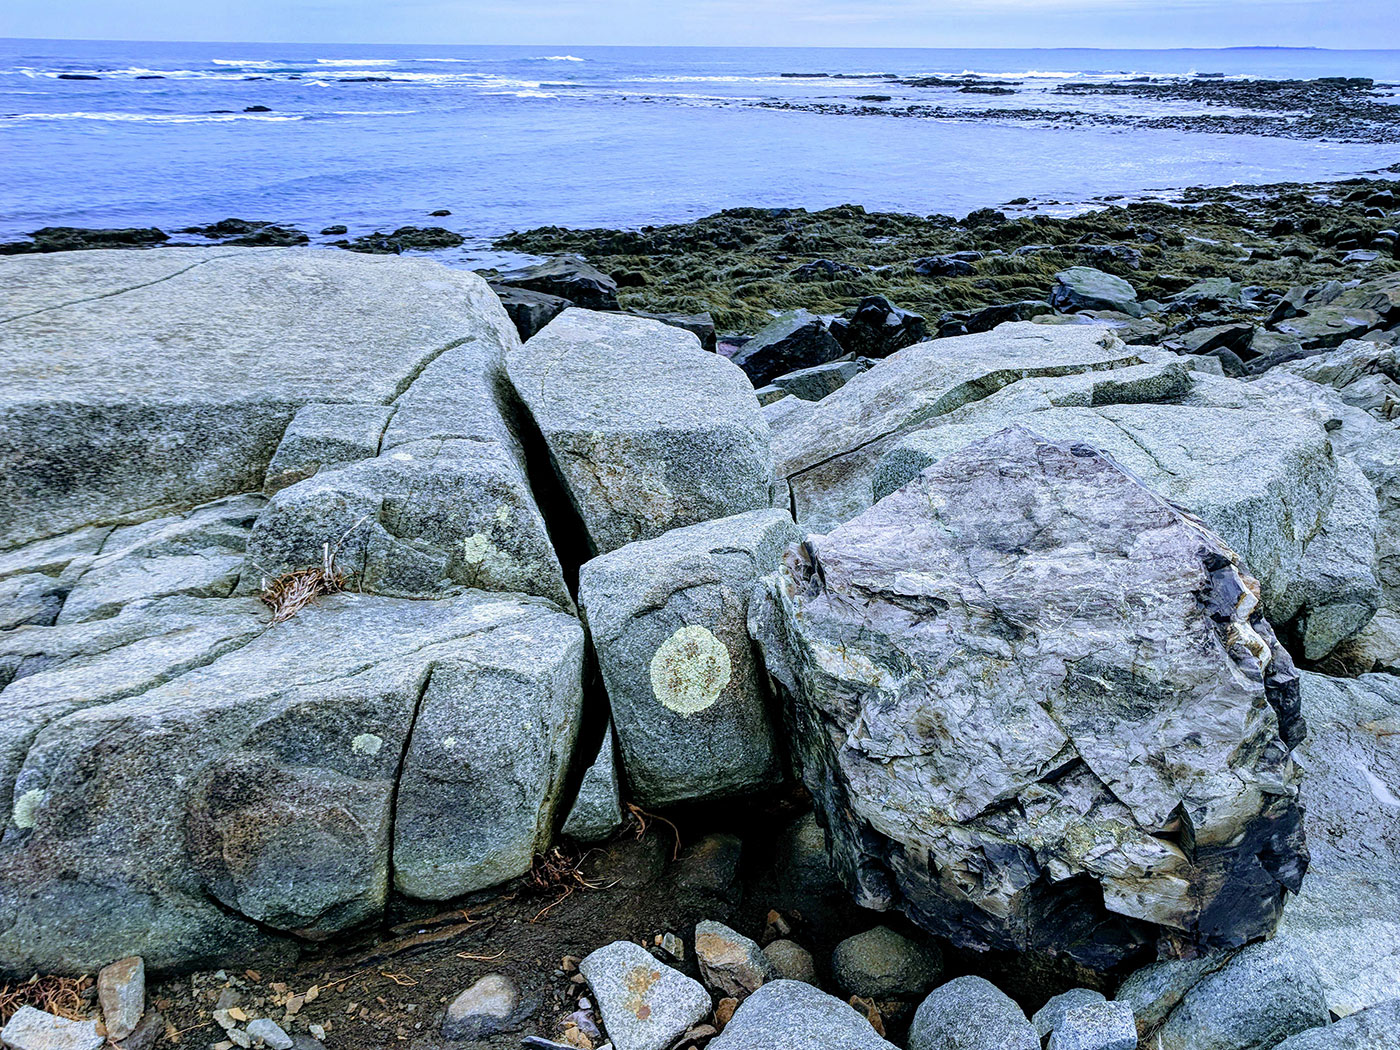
[[639, 981], [366, 744], [475, 548], [690, 670], [26, 806]]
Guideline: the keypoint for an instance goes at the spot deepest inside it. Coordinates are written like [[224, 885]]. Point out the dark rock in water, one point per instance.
[[874, 98], [271, 236], [1084, 288], [405, 238], [795, 340], [876, 328], [985, 89], [440, 213], [1002, 810], [226, 228], [984, 217], [568, 277], [701, 324], [822, 270], [986, 319], [529, 311], [334, 231], [256, 109], [78, 76], [72, 239], [942, 266]]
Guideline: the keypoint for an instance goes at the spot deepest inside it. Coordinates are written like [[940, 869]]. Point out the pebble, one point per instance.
[[121, 989], [488, 1007], [673, 946], [240, 1037], [792, 961], [269, 1033], [31, 1029]]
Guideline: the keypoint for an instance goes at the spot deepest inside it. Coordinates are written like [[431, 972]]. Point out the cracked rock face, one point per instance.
[[647, 432], [1039, 709], [203, 783]]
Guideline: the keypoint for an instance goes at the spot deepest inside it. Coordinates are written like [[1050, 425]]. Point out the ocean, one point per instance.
[[506, 138]]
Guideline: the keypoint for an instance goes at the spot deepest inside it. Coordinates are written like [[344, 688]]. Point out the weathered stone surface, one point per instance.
[[829, 452], [1375, 1028], [529, 311], [795, 340], [881, 964], [1084, 288], [1096, 1026], [1048, 1016], [182, 796], [668, 618], [1267, 481], [645, 1004], [813, 384], [198, 553], [443, 504], [1265, 993], [1346, 918], [731, 964], [597, 811], [121, 991], [700, 325], [266, 1032], [1154, 991], [31, 1029], [1108, 697], [321, 436], [970, 1013], [1366, 376], [490, 1006], [646, 430], [136, 380], [791, 1015]]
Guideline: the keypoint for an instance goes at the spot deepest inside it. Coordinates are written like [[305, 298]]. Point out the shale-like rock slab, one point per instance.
[[136, 380], [647, 431], [1039, 709]]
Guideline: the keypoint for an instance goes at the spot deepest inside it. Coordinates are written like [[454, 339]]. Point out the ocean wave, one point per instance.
[[357, 61], [155, 118], [250, 63], [524, 94], [557, 58]]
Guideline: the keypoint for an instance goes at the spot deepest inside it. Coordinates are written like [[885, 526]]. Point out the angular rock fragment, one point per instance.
[[647, 432], [795, 340], [875, 328], [568, 277], [1039, 709], [668, 618], [1052, 1013], [1084, 288], [645, 1004], [813, 384], [321, 436], [1375, 1028], [597, 811], [121, 991], [529, 311], [1096, 1026], [31, 1029], [731, 964]]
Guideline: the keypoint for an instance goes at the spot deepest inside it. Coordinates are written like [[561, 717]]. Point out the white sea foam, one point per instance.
[[155, 118], [558, 58], [357, 61]]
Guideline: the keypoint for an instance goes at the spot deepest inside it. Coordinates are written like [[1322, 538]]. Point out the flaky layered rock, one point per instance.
[[1039, 708]]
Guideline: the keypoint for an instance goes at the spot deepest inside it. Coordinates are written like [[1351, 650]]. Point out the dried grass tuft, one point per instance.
[[61, 996], [288, 594]]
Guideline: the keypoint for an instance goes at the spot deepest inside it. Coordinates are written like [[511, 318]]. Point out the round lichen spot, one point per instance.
[[26, 806], [366, 744], [690, 670]]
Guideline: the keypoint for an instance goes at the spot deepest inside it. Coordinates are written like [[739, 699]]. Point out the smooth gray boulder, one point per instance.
[[792, 1015], [645, 1004], [1375, 1028], [827, 451], [1264, 994], [137, 380], [597, 809], [792, 962], [1084, 288], [1154, 991], [1048, 1016], [646, 431], [1346, 918], [882, 964], [970, 1013], [668, 617], [188, 797], [1095, 1026], [1108, 697]]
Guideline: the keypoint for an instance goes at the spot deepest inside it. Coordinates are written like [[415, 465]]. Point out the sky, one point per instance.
[[834, 23]]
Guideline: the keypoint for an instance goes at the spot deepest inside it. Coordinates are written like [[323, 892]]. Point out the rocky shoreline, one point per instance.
[[998, 644]]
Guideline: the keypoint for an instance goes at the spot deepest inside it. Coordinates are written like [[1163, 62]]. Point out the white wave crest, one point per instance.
[[357, 61], [558, 58]]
